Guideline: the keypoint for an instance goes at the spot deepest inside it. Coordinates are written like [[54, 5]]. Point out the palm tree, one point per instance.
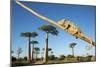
[[36, 51], [29, 35], [72, 45], [48, 29], [33, 42]]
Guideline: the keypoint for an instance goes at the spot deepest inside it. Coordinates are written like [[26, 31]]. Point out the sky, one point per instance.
[[23, 21]]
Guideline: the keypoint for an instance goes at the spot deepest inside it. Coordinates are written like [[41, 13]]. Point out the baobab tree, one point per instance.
[[72, 45], [48, 29], [29, 35]]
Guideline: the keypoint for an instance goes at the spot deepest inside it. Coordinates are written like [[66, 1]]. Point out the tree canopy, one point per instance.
[[29, 34], [49, 29]]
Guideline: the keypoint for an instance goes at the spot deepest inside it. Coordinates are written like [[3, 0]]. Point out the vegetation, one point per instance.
[[33, 49], [19, 51], [47, 54], [62, 57], [36, 51]]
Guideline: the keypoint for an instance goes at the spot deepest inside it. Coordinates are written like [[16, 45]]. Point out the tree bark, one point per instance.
[[73, 52], [46, 49], [29, 50], [33, 53]]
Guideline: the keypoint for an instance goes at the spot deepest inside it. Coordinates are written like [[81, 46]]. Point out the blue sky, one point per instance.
[[24, 21]]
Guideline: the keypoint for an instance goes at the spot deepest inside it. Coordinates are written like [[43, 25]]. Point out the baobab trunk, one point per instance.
[[29, 51], [73, 52], [33, 53], [46, 49]]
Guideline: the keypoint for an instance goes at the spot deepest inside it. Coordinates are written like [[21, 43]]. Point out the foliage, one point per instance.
[[34, 42], [70, 56], [72, 45], [52, 57], [25, 58], [49, 49], [36, 50], [49, 29], [62, 57], [13, 58], [29, 34]]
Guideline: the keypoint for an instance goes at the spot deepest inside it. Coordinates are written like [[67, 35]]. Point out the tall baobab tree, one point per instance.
[[72, 45], [29, 35], [48, 29], [33, 43]]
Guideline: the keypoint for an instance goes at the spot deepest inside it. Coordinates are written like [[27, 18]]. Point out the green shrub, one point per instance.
[[62, 57]]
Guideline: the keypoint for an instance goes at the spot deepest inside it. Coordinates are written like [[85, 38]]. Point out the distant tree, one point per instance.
[[42, 56], [70, 56], [72, 45], [25, 58], [49, 49], [62, 57], [51, 52], [89, 57], [12, 51], [33, 43], [52, 57], [36, 51], [19, 51]]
